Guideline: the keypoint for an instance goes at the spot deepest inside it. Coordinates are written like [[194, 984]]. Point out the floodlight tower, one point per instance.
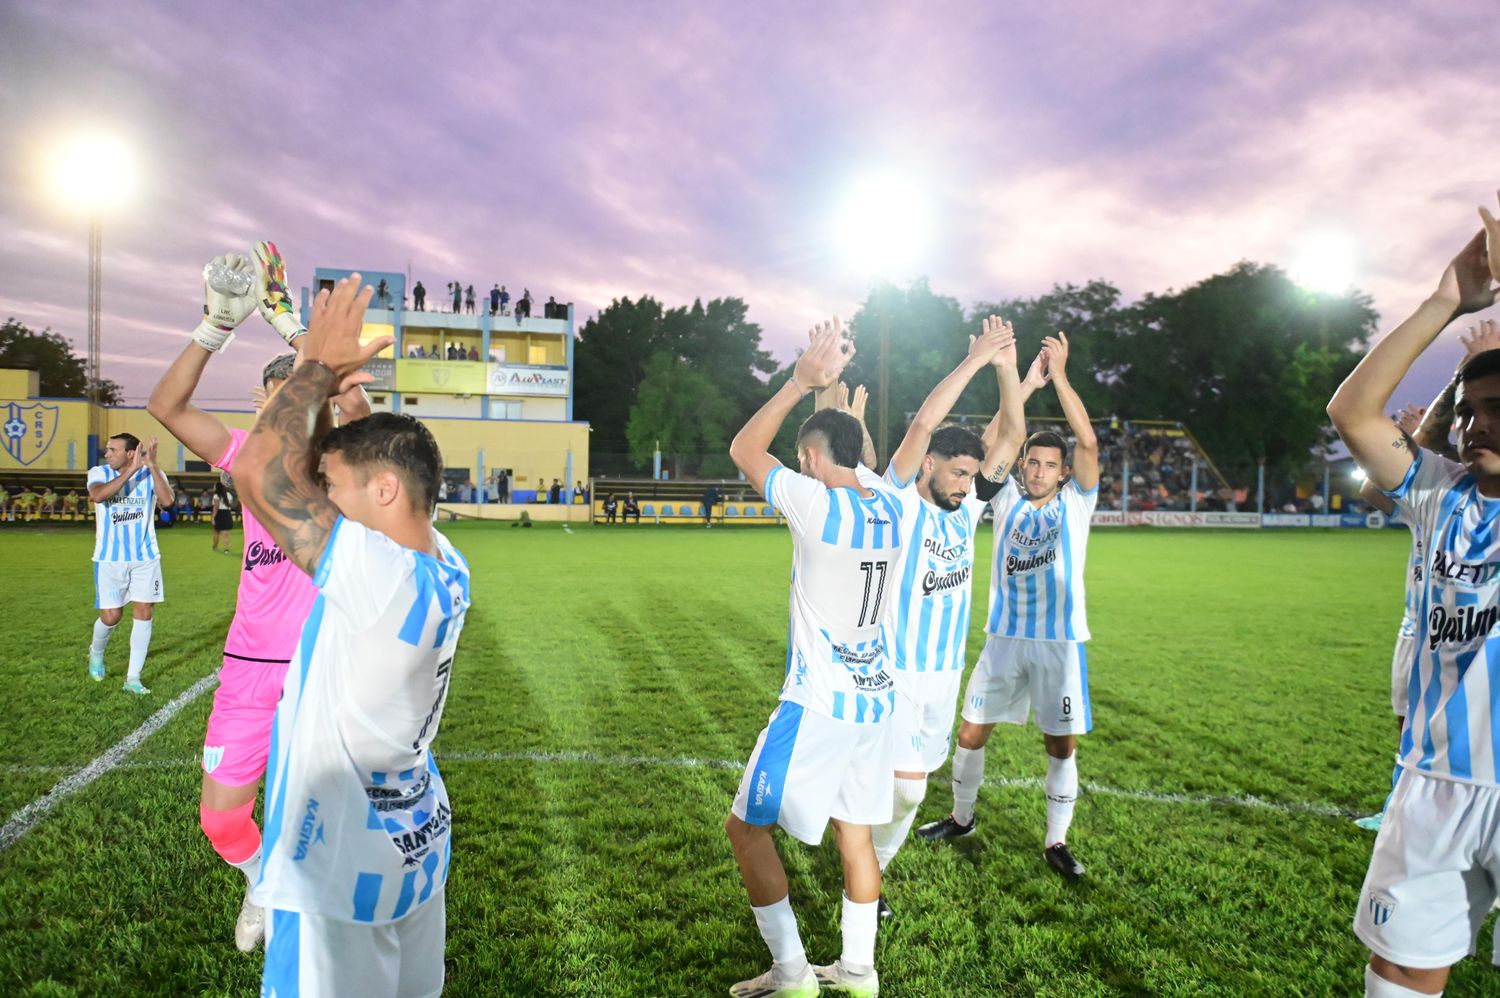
[[92, 175], [884, 226]]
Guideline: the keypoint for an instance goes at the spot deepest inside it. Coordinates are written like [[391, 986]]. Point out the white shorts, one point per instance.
[[922, 725], [1432, 876], [807, 768], [1015, 675], [119, 582], [1401, 663], [313, 955]]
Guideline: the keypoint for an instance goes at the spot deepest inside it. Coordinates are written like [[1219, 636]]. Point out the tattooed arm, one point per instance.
[[276, 470]]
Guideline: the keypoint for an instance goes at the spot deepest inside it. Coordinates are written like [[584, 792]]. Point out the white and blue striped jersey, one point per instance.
[[927, 620], [1450, 729], [1036, 582], [1414, 569], [357, 816], [125, 526], [845, 548]]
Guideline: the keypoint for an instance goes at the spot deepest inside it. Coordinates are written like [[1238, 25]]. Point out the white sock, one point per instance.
[[1062, 793], [968, 773], [890, 836], [140, 643], [102, 631], [859, 923], [250, 868], [1378, 987], [778, 927]]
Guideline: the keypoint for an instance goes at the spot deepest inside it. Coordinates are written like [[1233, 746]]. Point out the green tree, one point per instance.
[[1247, 359], [681, 410], [63, 374]]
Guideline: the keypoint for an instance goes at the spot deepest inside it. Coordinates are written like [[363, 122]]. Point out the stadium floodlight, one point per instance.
[[93, 172], [1325, 263], [1358, 474], [883, 223]]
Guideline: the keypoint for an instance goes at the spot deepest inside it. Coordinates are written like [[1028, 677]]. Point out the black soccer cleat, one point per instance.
[[936, 831], [1063, 862], [884, 912]]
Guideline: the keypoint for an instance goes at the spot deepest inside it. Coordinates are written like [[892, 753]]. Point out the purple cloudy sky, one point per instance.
[[689, 149]]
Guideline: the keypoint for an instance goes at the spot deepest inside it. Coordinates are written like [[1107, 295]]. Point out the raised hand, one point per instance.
[[825, 358], [1410, 417], [258, 398], [1478, 339], [1492, 240], [1466, 284], [1037, 375], [1056, 349], [274, 298], [333, 337], [858, 402], [223, 311], [841, 397]]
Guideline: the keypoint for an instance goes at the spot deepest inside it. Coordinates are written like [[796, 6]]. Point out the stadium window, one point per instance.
[[325, 285], [377, 400], [410, 400]]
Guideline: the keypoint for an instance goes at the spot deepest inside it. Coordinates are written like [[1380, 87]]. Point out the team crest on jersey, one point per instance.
[[1381, 907], [28, 430], [212, 756]]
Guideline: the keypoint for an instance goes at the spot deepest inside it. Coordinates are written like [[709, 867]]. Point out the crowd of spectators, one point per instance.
[[462, 299]]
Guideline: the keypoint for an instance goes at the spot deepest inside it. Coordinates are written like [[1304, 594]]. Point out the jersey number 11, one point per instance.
[[868, 608]]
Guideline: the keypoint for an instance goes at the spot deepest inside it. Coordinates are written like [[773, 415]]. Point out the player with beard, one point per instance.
[[1034, 655], [274, 595], [1432, 875], [935, 471]]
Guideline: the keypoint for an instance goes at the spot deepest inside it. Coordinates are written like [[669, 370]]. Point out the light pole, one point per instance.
[[93, 173], [884, 404]]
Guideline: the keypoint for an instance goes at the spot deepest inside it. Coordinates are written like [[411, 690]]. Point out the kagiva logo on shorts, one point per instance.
[[1381, 907]]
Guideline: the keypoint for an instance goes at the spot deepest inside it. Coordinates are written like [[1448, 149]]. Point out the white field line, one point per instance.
[[25, 819], [35, 810]]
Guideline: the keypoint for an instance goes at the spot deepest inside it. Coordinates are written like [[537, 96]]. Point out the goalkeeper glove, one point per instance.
[[274, 300], [223, 310]]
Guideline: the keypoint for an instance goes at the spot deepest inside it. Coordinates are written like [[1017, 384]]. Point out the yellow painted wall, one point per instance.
[[534, 451]]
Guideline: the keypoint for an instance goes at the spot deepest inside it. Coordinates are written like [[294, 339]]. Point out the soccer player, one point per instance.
[[274, 596], [357, 822], [1034, 654], [825, 753], [927, 619], [1432, 875], [126, 490]]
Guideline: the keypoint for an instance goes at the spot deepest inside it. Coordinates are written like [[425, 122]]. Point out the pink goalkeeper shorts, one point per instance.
[[238, 738]]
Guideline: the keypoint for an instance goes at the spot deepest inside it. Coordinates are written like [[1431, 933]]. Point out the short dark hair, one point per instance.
[[278, 368], [1479, 366], [955, 441], [842, 433], [398, 441], [131, 440], [1046, 438]]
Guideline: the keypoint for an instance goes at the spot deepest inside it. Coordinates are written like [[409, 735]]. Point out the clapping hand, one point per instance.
[[996, 342], [1055, 348], [1037, 375], [1467, 282], [1485, 336], [825, 358], [1410, 417], [1492, 240]]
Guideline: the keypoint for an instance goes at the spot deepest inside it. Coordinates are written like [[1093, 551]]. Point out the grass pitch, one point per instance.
[[610, 681]]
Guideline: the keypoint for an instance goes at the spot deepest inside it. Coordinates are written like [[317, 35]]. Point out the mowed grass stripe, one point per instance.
[[1225, 664]]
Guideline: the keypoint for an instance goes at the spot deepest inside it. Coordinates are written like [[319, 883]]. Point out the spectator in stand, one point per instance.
[[523, 307], [580, 491], [491, 489], [504, 301], [443, 490], [505, 478], [452, 352], [469, 299], [553, 310], [382, 294], [419, 297], [554, 494], [710, 500], [611, 507], [458, 295], [473, 353], [495, 299], [411, 351], [632, 508]]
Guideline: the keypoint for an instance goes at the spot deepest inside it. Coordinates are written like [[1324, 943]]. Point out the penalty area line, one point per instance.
[[114, 757], [692, 762]]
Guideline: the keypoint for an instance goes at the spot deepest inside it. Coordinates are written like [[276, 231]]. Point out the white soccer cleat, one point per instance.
[[774, 985], [250, 927], [835, 978]]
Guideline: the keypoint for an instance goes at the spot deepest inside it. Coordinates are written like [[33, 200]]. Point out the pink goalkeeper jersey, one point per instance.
[[275, 595]]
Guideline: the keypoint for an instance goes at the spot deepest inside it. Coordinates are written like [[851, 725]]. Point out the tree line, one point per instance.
[[1247, 359]]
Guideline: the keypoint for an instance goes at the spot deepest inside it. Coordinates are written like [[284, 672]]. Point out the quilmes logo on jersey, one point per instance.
[[311, 832], [1381, 907], [28, 430], [260, 554], [1461, 625]]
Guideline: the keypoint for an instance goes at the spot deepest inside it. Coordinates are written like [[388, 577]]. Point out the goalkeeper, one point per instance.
[[274, 595]]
